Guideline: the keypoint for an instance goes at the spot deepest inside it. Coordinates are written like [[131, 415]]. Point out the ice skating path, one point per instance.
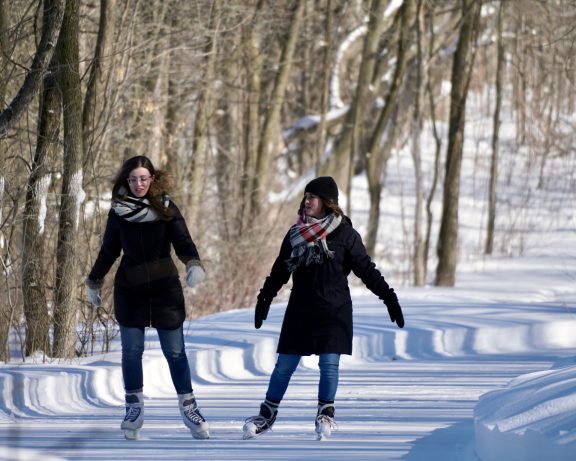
[[404, 394]]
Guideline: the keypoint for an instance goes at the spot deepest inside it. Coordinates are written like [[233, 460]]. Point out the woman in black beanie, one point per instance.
[[319, 252]]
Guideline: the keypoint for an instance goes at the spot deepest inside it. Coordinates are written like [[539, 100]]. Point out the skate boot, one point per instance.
[[325, 421], [192, 417], [134, 415], [256, 425]]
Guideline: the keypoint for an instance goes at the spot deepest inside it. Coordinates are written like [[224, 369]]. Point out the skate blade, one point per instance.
[[249, 432], [201, 435], [131, 434]]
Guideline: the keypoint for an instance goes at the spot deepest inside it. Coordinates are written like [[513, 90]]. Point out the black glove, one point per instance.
[[394, 309], [262, 308]]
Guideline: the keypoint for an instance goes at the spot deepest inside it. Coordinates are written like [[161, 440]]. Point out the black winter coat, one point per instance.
[[318, 317], [147, 288]]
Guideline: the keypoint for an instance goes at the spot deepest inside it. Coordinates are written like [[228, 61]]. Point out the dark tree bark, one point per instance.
[[51, 23], [65, 306], [35, 210], [5, 311], [95, 99], [461, 73]]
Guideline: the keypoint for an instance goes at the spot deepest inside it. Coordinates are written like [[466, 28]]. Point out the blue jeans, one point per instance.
[[287, 363], [172, 344]]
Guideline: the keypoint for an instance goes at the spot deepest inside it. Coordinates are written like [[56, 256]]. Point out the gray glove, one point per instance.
[[94, 287], [194, 273]]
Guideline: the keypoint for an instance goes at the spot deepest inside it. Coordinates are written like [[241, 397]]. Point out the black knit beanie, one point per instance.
[[324, 187]]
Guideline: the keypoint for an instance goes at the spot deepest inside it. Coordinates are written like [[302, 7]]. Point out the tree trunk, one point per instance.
[[65, 306], [374, 154], [95, 99], [51, 23], [201, 129], [495, 139], [461, 73], [5, 46], [338, 164], [325, 95], [419, 257], [35, 209], [260, 178], [437, 150], [251, 119]]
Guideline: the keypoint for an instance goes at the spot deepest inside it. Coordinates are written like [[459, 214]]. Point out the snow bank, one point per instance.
[[532, 419]]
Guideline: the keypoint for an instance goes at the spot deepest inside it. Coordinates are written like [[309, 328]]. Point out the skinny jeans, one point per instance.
[[285, 367], [172, 344]]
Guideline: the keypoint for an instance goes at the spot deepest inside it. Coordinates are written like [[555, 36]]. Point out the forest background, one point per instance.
[[243, 101]]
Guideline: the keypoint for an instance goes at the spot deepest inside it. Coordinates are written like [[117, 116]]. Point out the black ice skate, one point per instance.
[[325, 421], [256, 425]]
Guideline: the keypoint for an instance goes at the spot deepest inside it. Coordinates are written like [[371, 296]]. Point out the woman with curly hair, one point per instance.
[[143, 225]]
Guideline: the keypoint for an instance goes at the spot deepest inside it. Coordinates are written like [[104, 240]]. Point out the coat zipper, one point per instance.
[[147, 273]]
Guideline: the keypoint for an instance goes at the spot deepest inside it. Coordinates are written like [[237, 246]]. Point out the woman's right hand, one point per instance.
[[95, 298], [94, 287]]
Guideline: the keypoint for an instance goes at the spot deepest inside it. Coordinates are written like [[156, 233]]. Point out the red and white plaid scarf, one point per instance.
[[308, 239]]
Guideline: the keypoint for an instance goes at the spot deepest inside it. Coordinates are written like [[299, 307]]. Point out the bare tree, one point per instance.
[[203, 113], [34, 278], [495, 137], [419, 257], [461, 73], [51, 22], [271, 119], [4, 53], [65, 307], [95, 98], [374, 158]]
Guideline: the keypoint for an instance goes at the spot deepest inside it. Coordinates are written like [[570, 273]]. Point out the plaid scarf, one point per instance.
[[136, 209], [308, 240]]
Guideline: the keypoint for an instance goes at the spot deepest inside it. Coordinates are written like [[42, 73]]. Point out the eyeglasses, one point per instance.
[[139, 179]]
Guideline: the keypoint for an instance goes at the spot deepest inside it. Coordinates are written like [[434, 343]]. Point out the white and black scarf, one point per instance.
[[136, 209], [308, 240]]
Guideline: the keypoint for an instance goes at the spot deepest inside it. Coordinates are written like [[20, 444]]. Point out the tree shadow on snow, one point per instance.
[[454, 443]]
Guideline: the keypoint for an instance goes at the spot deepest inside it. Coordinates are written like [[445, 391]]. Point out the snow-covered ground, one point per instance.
[[495, 354], [482, 371]]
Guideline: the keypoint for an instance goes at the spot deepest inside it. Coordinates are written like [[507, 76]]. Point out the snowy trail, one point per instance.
[[404, 394]]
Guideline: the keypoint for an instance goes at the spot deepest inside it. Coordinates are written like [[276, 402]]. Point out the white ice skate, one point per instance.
[[134, 418], [192, 417]]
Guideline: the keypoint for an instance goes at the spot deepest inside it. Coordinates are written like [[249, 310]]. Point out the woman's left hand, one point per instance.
[[194, 274]]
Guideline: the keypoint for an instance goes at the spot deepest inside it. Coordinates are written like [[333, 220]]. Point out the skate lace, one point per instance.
[[132, 413], [323, 419], [258, 420], [191, 412]]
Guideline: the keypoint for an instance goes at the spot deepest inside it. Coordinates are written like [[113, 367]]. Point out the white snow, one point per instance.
[[42, 187], [484, 370], [78, 193]]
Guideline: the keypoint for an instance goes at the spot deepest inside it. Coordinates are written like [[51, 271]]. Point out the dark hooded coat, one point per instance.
[[318, 317], [147, 288]]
